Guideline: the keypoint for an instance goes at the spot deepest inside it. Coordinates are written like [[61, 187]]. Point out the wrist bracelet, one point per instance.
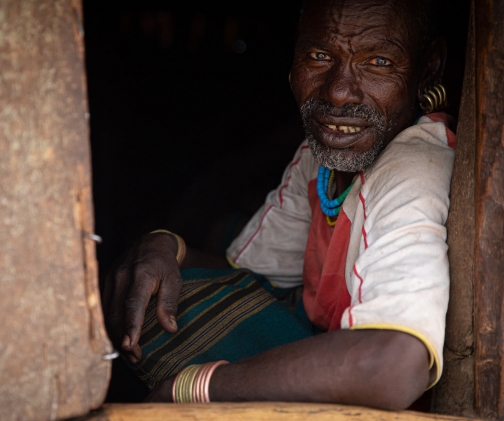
[[181, 246], [192, 384]]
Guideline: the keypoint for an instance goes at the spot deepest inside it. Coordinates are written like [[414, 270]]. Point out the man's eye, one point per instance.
[[380, 62], [319, 56]]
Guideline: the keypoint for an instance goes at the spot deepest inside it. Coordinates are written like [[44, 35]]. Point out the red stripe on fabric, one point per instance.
[[271, 206], [363, 201], [253, 235], [363, 181], [280, 191], [350, 318], [295, 162], [360, 285], [364, 233], [439, 117], [451, 138]]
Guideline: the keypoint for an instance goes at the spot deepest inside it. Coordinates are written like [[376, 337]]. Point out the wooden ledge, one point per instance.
[[257, 411]]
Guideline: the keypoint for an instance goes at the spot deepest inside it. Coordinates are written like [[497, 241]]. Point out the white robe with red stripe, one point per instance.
[[384, 265]]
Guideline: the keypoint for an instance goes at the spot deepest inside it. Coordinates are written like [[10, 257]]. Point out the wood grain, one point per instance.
[[271, 411], [51, 327], [489, 256], [454, 394]]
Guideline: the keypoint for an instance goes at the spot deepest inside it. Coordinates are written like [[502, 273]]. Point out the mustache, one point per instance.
[[321, 107]]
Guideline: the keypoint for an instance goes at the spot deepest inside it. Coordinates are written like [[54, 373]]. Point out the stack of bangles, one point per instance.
[[191, 385], [181, 247]]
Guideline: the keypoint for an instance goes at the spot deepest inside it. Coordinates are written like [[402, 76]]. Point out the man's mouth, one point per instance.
[[344, 129], [340, 134]]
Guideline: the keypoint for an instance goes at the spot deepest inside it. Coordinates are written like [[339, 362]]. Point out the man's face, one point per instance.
[[355, 77]]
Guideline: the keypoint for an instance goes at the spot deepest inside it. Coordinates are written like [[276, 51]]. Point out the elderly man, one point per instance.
[[358, 220]]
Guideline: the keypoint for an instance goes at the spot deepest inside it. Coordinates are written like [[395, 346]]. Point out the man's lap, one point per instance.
[[223, 314]]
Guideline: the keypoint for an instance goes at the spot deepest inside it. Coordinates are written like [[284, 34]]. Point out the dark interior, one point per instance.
[[192, 118]]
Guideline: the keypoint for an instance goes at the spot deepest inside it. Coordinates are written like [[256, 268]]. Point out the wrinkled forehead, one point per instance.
[[343, 20]]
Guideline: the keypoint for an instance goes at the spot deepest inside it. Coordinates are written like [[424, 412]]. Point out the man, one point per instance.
[[376, 279]]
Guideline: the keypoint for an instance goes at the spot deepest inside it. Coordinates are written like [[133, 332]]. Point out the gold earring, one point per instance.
[[436, 98], [431, 104], [442, 94]]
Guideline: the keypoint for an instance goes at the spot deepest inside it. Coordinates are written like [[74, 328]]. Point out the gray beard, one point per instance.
[[343, 159]]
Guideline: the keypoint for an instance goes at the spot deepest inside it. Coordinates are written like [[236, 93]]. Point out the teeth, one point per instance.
[[345, 129]]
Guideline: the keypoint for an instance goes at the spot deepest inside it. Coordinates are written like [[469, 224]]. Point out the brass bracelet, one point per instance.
[[181, 246], [183, 384], [191, 385]]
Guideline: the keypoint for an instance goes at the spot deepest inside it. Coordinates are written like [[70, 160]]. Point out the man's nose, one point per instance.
[[342, 86]]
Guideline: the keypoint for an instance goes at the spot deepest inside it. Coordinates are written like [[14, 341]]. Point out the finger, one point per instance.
[[134, 353], [144, 284], [167, 300]]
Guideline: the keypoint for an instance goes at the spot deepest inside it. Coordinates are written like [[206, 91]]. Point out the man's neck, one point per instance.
[[342, 181]]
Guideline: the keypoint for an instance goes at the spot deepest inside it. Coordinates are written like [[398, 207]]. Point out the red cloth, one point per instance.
[[325, 295]]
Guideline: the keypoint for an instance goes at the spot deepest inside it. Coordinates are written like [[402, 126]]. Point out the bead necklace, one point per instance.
[[331, 208]]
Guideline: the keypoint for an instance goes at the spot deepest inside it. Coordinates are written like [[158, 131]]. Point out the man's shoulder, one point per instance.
[[303, 164], [418, 156]]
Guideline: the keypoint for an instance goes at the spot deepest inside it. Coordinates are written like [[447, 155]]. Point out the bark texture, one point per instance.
[[51, 327], [489, 256], [455, 392]]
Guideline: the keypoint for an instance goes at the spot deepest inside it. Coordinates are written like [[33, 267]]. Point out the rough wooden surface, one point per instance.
[[259, 411], [489, 260], [454, 394], [51, 328]]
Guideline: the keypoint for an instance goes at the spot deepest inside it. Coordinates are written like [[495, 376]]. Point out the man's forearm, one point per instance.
[[384, 369]]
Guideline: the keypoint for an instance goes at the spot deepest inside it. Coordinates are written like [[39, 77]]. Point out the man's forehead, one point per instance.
[[355, 18]]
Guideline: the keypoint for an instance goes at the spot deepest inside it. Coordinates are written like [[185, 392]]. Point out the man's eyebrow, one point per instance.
[[383, 45], [388, 44], [310, 43]]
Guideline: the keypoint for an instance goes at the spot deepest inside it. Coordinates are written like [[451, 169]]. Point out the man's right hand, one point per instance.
[[148, 268]]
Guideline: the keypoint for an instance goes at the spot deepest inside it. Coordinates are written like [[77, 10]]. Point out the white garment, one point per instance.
[[397, 267]]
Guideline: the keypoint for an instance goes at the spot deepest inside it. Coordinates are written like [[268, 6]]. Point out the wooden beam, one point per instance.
[[258, 411], [489, 256], [51, 329], [454, 394]]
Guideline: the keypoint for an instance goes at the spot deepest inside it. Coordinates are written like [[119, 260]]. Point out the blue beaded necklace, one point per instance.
[[331, 208]]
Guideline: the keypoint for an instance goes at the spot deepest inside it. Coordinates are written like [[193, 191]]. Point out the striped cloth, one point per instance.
[[223, 314]]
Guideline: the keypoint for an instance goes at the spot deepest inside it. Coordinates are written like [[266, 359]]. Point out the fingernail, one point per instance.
[[173, 321], [126, 343]]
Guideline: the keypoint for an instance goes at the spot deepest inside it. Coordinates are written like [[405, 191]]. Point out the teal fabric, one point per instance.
[[223, 315]]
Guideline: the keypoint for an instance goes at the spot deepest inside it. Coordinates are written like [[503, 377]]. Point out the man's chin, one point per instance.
[[343, 160]]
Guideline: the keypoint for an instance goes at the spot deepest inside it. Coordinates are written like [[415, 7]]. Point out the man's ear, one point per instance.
[[432, 74]]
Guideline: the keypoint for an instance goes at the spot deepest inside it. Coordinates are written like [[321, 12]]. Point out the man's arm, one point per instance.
[[383, 369]]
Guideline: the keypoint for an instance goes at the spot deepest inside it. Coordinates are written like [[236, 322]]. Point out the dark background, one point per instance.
[[192, 118]]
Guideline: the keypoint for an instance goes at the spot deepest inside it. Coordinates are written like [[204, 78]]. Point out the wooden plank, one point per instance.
[[454, 394], [271, 411], [51, 328], [489, 260]]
